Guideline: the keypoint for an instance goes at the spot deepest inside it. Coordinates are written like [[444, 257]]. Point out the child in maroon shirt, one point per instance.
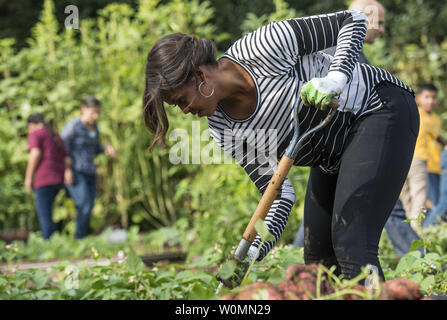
[[49, 166]]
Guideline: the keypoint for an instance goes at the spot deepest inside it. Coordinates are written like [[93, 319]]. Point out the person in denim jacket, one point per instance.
[[81, 138]]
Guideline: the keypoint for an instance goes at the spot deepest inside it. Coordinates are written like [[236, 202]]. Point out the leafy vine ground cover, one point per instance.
[[129, 278]]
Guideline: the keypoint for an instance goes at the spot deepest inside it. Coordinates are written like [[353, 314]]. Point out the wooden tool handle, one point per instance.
[[268, 197], [273, 188], [334, 103]]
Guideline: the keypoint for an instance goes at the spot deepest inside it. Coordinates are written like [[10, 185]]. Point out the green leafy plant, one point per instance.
[[135, 188]]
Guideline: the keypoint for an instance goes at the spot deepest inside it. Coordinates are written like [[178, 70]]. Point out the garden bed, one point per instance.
[[148, 260], [14, 235], [309, 282], [93, 269]]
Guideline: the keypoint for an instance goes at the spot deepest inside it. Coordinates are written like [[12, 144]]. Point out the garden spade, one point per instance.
[[276, 181]]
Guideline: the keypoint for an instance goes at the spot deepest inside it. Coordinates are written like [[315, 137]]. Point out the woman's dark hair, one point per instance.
[[170, 64], [92, 102], [38, 118]]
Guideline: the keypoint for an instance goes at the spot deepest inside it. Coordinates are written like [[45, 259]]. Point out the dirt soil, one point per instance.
[[300, 284]]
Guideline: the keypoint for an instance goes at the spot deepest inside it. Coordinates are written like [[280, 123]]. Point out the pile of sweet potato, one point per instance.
[[300, 284]]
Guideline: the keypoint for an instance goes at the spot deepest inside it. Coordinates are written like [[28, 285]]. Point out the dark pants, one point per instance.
[[44, 199], [399, 231], [345, 213], [433, 188], [439, 212], [83, 192]]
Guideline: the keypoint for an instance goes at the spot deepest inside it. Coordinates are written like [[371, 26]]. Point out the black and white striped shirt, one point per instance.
[[280, 58]]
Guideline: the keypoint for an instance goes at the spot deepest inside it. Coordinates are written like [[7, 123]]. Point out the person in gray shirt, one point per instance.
[[81, 139]]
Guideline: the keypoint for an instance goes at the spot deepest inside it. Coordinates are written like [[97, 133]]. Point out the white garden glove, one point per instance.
[[319, 92]]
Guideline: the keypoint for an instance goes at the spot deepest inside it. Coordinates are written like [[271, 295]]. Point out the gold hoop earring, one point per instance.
[[201, 93]]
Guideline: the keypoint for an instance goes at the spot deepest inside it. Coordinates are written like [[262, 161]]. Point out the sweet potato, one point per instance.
[[258, 290], [400, 289], [230, 296], [301, 281]]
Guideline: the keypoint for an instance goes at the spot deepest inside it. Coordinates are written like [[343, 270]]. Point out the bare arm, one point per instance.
[[67, 161], [68, 173], [33, 162]]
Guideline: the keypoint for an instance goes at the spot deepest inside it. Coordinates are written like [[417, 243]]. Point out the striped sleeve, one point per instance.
[[260, 168], [345, 29], [275, 48]]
